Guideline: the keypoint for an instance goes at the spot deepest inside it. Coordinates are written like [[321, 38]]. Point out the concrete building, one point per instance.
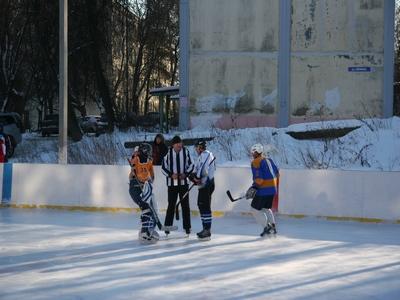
[[249, 63]]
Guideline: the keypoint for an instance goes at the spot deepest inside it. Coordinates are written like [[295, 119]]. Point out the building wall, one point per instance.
[[328, 37], [233, 61]]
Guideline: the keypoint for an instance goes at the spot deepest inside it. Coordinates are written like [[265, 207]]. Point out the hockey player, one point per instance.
[[204, 179], [264, 188], [140, 189]]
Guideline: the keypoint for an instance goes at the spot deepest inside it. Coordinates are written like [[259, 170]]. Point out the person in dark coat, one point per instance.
[[159, 149], [3, 149]]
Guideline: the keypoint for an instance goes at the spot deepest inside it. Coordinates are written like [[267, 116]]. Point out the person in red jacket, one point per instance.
[[3, 149]]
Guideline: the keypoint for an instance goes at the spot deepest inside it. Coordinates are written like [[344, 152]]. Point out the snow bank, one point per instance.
[[374, 146]]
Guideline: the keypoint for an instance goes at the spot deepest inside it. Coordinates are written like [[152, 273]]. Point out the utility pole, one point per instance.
[[388, 60], [184, 29], [127, 23], [63, 83]]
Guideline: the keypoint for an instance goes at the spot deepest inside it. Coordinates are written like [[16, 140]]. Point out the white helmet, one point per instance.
[[257, 148]]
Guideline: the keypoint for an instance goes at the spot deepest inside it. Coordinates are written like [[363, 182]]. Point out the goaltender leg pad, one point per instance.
[[148, 197], [147, 220]]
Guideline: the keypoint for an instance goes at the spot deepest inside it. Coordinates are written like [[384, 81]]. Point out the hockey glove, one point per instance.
[[192, 177], [251, 193]]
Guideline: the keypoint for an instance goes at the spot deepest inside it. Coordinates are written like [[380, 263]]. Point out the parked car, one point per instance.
[[12, 128], [94, 124], [49, 125], [151, 119]]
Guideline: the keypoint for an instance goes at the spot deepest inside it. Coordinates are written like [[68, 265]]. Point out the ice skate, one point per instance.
[[155, 235], [270, 228], [266, 230], [273, 229], [187, 233], [147, 238], [204, 235]]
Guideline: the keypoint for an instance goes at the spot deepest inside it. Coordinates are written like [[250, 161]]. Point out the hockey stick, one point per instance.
[[187, 193], [179, 202], [234, 199]]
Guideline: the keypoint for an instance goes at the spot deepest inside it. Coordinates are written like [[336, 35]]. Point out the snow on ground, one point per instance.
[[47, 254], [374, 146]]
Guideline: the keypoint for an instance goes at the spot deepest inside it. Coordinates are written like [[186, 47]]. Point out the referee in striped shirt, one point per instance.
[[176, 166]]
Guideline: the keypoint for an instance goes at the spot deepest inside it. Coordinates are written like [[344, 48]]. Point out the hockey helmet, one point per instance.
[[201, 144], [257, 148], [145, 149]]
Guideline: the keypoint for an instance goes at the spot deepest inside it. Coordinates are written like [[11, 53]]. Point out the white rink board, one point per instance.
[[338, 193], [1, 177], [308, 192], [107, 186]]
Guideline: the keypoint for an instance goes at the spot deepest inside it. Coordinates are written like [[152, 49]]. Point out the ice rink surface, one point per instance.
[[49, 254]]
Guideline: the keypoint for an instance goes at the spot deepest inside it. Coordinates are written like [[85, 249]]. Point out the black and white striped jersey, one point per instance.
[[177, 163]]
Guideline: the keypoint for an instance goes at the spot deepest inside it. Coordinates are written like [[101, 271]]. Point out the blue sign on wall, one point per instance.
[[360, 69]]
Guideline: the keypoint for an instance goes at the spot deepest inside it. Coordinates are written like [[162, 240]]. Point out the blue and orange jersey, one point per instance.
[[143, 171], [265, 176]]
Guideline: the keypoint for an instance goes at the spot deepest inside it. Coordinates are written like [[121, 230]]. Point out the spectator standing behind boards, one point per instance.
[[3, 149], [159, 149], [176, 166]]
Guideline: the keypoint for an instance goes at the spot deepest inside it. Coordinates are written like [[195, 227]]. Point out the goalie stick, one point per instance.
[[163, 227], [234, 199]]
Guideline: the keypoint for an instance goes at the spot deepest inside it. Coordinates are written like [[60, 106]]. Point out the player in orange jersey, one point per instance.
[[141, 190]]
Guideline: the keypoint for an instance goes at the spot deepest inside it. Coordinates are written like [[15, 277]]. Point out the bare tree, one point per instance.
[[14, 24], [118, 51], [155, 55]]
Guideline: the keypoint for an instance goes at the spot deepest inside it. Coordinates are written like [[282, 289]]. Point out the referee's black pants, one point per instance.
[[173, 192]]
